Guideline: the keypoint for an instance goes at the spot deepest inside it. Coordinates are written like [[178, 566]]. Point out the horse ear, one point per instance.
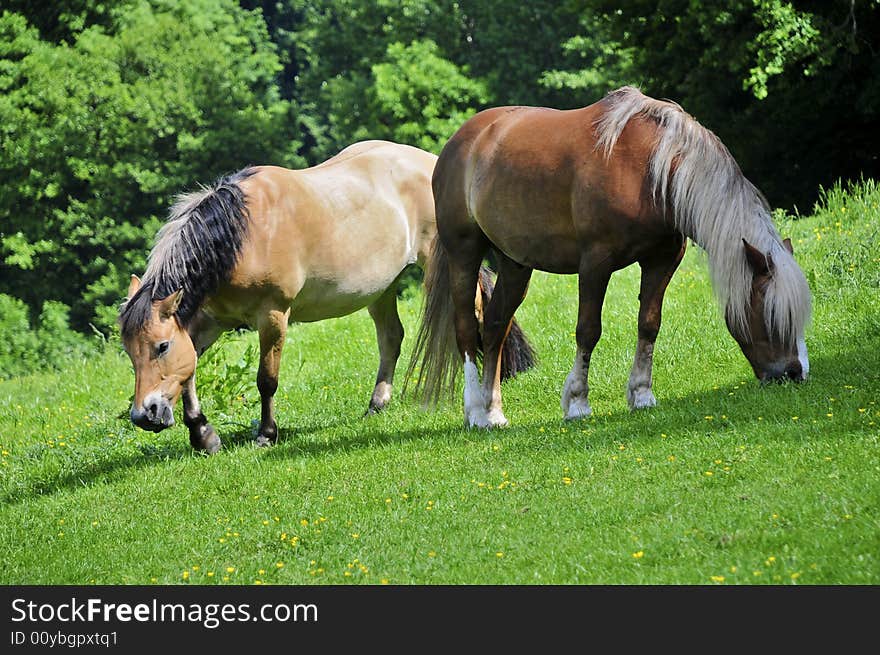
[[760, 263], [169, 305], [787, 245], [134, 286]]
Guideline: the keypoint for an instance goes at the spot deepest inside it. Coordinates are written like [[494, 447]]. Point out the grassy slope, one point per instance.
[[724, 481]]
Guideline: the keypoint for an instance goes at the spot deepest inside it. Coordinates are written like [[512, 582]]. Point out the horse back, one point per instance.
[[535, 182], [328, 240]]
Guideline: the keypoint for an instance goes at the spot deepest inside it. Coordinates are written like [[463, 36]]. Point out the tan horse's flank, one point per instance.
[[268, 246], [590, 191]]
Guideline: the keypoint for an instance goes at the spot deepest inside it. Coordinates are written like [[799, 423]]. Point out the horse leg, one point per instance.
[[203, 332], [657, 271], [510, 290], [389, 334], [593, 276], [201, 433], [272, 327], [464, 268]]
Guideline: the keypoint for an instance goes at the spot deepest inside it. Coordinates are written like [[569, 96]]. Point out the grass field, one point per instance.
[[724, 482]]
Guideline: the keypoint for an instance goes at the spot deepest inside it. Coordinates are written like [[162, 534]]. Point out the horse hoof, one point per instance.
[[206, 440], [641, 399], [496, 419], [578, 408], [374, 409], [263, 441], [477, 419]]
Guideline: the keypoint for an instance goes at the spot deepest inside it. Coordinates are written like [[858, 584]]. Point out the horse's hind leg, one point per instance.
[[272, 327], [464, 268], [389, 334], [593, 276], [510, 290], [657, 271]]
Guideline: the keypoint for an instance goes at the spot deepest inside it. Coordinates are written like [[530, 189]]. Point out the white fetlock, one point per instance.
[[640, 398], [578, 407], [476, 418], [475, 414], [496, 418], [574, 393]]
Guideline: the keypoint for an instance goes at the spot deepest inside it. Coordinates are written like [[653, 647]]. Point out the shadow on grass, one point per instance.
[[830, 372]]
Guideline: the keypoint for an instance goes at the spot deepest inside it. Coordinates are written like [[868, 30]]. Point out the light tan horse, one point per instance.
[[267, 246], [590, 191]]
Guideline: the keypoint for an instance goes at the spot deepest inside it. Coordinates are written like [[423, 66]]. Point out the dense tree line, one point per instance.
[[108, 109]]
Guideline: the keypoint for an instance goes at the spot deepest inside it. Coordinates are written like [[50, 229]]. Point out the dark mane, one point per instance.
[[195, 250]]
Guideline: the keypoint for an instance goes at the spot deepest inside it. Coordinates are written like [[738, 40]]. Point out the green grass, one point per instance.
[[724, 481]]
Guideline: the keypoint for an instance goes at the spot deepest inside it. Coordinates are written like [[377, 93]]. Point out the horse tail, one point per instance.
[[517, 354], [435, 353]]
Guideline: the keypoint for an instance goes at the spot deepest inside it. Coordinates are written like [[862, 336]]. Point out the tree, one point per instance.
[[99, 135]]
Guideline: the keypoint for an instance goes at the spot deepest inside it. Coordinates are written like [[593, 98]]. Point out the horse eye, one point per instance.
[[162, 348]]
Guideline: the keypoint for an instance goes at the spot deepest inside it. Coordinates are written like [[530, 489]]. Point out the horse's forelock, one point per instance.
[[787, 301], [135, 312]]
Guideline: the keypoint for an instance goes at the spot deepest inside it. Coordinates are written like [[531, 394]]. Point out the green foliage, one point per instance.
[[425, 97], [52, 344], [226, 374], [792, 88], [99, 134]]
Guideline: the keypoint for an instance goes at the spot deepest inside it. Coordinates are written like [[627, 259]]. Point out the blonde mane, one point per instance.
[[711, 201]]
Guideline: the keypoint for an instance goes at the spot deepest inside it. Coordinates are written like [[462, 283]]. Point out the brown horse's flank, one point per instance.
[[590, 191]]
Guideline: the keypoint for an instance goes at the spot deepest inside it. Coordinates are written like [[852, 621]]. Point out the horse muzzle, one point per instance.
[[793, 371], [155, 415]]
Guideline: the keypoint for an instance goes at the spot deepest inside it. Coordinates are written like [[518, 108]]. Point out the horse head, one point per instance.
[[163, 357], [773, 356]]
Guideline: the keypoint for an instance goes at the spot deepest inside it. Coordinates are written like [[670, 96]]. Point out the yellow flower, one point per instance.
[[279, 564], [262, 571], [639, 554], [186, 575], [210, 574], [230, 569], [431, 553], [499, 554], [671, 458], [718, 578], [384, 581], [347, 574], [355, 535], [258, 582], [566, 480], [709, 473], [304, 522]]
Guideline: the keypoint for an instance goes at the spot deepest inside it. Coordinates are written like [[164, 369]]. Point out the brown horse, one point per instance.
[[267, 246], [590, 191]]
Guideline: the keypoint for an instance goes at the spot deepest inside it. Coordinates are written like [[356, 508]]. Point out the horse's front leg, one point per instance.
[[201, 433], [593, 276], [272, 327], [657, 271]]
